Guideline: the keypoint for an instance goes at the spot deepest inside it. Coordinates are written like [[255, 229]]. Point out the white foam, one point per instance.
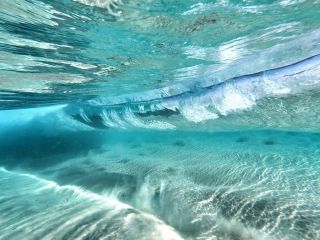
[[197, 113], [233, 100]]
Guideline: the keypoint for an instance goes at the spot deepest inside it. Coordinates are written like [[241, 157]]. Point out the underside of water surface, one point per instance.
[[157, 119]]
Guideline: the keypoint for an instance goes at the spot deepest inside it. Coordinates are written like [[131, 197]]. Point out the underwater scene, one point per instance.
[[159, 120]]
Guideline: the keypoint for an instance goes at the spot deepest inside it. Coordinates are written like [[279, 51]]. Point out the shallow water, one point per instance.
[[159, 119]]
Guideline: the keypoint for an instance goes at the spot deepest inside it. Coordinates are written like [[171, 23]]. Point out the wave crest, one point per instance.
[[200, 105]]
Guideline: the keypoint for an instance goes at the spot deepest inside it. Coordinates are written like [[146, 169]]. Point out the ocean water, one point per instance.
[[126, 119]]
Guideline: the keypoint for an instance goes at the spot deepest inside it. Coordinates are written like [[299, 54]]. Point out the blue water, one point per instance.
[[125, 119]]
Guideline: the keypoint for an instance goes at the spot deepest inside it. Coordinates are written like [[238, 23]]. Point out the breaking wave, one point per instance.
[[213, 102]]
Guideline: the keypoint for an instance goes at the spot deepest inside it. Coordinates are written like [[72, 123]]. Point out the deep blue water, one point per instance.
[[125, 119]]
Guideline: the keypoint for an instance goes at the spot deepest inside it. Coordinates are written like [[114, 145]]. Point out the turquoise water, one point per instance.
[[154, 119]]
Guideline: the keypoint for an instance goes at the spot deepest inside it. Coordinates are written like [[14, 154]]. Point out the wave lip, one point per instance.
[[200, 105]]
